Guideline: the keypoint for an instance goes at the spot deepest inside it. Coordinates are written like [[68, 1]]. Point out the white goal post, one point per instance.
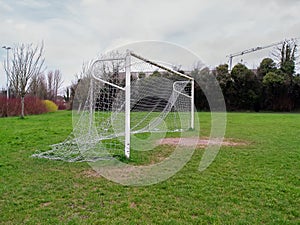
[[127, 89]]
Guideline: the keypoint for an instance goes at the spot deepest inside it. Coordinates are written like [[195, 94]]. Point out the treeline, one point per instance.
[[273, 86], [42, 85], [270, 87]]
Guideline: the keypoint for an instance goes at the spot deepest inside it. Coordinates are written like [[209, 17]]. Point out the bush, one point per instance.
[[33, 105], [61, 104], [12, 106], [50, 106]]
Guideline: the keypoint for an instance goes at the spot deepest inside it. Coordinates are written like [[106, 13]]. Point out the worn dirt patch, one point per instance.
[[91, 173], [201, 143], [122, 173]]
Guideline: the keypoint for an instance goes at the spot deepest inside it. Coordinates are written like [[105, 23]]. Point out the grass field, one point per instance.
[[254, 184]]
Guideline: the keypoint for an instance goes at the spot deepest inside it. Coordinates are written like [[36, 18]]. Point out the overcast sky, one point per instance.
[[77, 31]]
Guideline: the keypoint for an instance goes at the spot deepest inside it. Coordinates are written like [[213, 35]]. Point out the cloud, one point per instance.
[[76, 31]]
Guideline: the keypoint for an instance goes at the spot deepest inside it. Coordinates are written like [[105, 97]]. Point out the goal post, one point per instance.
[[192, 104], [127, 104]]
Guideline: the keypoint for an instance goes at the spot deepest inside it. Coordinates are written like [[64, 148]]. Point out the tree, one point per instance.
[[275, 89], [205, 82], [38, 86], [54, 81], [273, 79], [226, 83], [267, 65], [280, 84], [80, 85], [296, 90], [286, 56], [27, 61], [67, 95], [246, 88]]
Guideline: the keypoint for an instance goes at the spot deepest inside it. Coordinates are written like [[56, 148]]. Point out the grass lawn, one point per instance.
[[254, 184]]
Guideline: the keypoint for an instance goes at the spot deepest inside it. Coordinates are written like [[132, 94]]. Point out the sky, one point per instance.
[[76, 31]]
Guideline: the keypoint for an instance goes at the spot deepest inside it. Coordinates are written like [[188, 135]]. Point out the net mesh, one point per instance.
[[160, 102]]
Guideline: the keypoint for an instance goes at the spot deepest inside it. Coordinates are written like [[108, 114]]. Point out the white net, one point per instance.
[[160, 102]]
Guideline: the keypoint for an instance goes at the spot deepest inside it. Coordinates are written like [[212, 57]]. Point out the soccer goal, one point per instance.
[[125, 103]]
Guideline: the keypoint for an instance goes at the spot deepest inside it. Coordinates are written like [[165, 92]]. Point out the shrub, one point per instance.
[[34, 105], [12, 106], [61, 104], [3, 103], [50, 106]]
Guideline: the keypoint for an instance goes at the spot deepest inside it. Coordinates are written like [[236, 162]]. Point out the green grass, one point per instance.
[[254, 184]]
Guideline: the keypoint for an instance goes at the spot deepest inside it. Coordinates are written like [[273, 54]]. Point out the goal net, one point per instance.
[[125, 103]]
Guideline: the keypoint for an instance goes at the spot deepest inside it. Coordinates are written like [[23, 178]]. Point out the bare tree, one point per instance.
[[54, 81], [57, 81], [38, 86], [50, 92], [27, 61]]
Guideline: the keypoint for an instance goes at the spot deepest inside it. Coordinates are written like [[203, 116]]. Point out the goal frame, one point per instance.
[[127, 90]]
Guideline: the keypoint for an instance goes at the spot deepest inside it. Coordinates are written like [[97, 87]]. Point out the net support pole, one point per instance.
[[192, 103], [127, 104]]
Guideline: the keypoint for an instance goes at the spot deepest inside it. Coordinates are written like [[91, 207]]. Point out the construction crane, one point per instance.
[[231, 56]]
